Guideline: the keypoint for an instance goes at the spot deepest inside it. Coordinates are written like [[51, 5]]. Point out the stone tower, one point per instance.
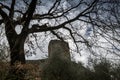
[[58, 48]]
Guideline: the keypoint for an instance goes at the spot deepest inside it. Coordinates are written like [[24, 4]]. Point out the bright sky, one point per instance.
[[43, 42]]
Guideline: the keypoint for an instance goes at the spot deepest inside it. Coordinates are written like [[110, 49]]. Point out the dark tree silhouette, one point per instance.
[[88, 12], [16, 41]]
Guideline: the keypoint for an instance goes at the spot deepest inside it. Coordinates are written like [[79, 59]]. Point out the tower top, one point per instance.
[[59, 49]]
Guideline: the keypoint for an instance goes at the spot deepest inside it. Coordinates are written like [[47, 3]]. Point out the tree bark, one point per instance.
[[17, 50], [17, 56], [17, 70]]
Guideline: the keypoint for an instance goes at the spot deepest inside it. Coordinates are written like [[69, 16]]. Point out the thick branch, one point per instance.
[[12, 9], [4, 6], [4, 15], [29, 12], [37, 28], [27, 15]]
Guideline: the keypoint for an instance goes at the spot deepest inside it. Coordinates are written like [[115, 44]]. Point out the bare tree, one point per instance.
[[60, 14], [106, 25], [16, 41]]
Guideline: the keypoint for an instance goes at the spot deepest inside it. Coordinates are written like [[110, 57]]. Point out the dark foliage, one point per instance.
[[60, 69]]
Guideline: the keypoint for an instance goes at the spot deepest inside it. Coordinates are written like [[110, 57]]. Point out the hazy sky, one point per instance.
[[43, 38]]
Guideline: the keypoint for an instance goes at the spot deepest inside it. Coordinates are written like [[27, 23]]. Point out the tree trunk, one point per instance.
[[17, 51], [17, 71], [17, 56]]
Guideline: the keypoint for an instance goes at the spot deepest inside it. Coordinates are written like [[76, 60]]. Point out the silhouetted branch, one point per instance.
[[4, 6], [11, 13]]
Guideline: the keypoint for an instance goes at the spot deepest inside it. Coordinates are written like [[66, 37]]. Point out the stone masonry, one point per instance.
[[58, 48]]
